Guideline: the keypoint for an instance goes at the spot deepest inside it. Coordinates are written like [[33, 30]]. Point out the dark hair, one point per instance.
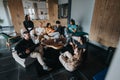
[[25, 32], [72, 21], [26, 17], [57, 22], [48, 24]]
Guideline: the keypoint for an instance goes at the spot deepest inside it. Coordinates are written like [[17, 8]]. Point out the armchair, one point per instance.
[[10, 40]]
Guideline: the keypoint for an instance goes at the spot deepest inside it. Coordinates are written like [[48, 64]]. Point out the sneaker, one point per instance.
[[46, 68]]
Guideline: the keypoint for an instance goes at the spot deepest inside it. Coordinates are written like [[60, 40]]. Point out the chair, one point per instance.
[[23, 62], [10, 40], [100, 75]]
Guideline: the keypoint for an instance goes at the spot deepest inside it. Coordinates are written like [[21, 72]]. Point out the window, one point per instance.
[[36, 9], [63, 11]]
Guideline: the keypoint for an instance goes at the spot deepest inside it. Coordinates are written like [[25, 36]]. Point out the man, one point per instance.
[[26, 48], [59, 28]]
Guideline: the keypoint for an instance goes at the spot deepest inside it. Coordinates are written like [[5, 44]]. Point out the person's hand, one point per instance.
[[27, 51], [71, 43]]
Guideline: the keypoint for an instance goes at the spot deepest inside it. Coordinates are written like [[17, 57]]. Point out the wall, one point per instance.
[[17, 14], [114, 72], [36, 8], [63, 20], [82, 11], [53, 10], [3, 15], [105, 26]]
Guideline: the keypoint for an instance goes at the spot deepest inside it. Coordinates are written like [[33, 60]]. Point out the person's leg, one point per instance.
[[67, 65], [56, 35], [63, 60], [38, 56], [40, 60], [68, 54]]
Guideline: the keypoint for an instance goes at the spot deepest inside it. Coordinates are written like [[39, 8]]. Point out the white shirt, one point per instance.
[[40, 31]]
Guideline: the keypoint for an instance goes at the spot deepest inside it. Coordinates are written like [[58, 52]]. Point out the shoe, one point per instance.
[[46, 68]]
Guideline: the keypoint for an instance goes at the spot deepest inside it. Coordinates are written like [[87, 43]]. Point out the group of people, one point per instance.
[[29, 47]]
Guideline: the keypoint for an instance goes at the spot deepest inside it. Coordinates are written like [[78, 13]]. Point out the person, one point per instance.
[[26, 48], [71, 61], [51, 34], [59, 28], [28, 25], [79, 41], [40, 30], [72, 28]]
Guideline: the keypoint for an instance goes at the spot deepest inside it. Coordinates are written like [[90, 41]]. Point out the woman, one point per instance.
[[71, 61], [40, 30], [49, 28], [28, 25], [72, 28], [51, 34]]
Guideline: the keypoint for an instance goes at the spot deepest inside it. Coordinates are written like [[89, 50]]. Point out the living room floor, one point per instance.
[[11, 70]]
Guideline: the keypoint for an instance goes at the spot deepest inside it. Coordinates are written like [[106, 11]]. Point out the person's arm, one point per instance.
[[21, 51], [80, 45], [73, 28], [31, 25]]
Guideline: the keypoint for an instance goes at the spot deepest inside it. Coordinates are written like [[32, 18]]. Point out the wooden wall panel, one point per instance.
[[53, 10], [17, 14], [105, 27]]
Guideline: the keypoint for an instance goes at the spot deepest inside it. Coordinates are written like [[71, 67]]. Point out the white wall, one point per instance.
[[82, 11], [114, 70], [3, 15]]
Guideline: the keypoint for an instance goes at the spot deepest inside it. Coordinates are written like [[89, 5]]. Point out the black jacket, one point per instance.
[[60, 29], [28, 24], [22, 46]]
